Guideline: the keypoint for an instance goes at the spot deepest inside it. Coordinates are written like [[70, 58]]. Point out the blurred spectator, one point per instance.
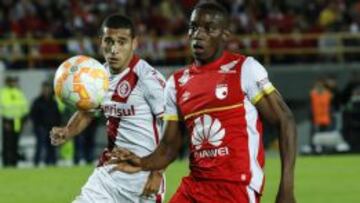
[[350, 87], [351, 118], [330, 14], [50, 47], [147, 46], [16, 51], [32, 50], [328, 46], [80, 44], [2, 65], [320, 98], [84, 144], [325, 133], [45, 114], [13, 110], [332, 85], [163, 18], [13, 52]]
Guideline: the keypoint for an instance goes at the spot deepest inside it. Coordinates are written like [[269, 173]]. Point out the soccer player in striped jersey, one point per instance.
[[222, 98], [133, 107]]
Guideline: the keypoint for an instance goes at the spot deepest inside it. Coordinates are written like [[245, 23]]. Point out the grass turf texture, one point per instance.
[[328, 179]]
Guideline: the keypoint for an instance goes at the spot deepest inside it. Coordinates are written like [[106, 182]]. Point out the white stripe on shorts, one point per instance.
[[251, 195]]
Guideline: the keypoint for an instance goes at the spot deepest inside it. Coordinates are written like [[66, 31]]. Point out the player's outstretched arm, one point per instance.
[[273, 108], [167, 150], [77, 123], [164, 154]]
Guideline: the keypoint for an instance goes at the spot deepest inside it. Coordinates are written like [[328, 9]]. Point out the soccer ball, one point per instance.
[[81, 82]]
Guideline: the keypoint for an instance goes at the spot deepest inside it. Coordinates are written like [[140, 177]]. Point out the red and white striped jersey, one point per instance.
[[217, 103], [132, 107]]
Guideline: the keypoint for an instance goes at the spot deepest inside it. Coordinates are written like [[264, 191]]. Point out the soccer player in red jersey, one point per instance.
[[221, 98]]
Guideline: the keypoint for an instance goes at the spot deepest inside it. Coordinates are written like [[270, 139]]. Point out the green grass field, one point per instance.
[[322, 179]]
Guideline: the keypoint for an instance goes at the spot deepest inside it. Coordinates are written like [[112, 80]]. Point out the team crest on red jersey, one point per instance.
[[124, 89], [221, 91]]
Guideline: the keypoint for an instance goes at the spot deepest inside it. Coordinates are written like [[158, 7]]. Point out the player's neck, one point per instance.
[[216, 56], [121, 69], [116, 71]]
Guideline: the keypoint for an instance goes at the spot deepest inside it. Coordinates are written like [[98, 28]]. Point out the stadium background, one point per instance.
[[297, 41]]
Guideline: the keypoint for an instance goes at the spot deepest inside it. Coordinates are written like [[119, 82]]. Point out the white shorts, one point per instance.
[[101, 188]]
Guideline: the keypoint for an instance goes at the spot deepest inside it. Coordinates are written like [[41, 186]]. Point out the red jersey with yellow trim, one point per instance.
[[216, 101]]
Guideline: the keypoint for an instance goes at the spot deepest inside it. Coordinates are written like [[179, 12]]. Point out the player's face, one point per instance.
[[206, 33], [117, 46]]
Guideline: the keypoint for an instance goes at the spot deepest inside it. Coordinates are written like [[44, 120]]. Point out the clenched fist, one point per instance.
[[59, 135]]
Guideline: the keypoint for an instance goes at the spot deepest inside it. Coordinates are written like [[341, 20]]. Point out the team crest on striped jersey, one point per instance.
[[124, 89]]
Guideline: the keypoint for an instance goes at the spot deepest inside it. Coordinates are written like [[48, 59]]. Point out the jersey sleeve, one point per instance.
[[171, 111], [154, 84], [255, 80]]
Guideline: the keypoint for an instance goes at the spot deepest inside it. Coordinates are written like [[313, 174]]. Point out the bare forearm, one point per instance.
[[78, 122], [278, 113], [160, 158], [274, 110], [288, 148], [167, 150]]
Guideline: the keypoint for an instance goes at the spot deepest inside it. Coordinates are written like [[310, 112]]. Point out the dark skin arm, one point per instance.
[[167, 150], [164, 154], [273, 108]]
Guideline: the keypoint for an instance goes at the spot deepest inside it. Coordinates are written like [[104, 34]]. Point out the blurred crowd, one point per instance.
[[335, 115], [65, 18], [162, 24], [44, 113]]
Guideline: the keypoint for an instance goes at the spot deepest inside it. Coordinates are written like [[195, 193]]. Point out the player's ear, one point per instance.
[[226, 35], [99, 42], [135, 43]]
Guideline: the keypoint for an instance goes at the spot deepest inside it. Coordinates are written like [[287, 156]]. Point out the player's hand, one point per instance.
[[119, 154], [153, 184], [285, 195], [58, 135], [124, 161]]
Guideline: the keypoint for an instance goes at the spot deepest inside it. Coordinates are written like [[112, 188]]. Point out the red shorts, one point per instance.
[[192, 190]]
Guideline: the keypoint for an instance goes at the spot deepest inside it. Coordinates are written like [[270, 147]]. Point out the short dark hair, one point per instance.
[[213, 6], [117, 21]]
